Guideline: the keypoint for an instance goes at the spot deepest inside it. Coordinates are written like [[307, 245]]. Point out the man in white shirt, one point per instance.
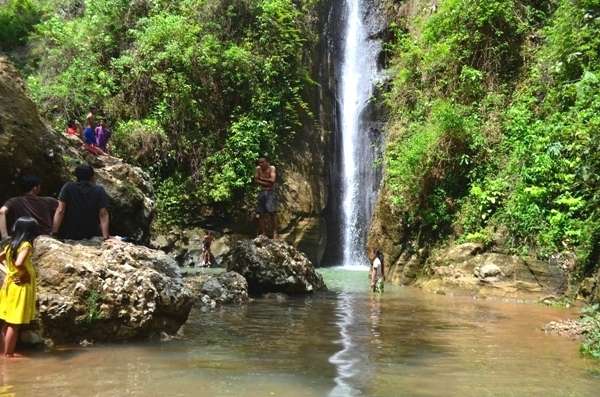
[[377, 272]]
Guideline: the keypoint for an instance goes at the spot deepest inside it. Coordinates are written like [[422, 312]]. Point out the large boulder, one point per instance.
[[107, 291], [226, 288], [28, 145], [130, 192], [273, 266]]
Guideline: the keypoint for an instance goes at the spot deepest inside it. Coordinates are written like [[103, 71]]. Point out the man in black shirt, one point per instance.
[[82, 211]]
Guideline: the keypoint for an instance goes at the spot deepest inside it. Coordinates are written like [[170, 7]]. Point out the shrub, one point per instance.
[[591, 321], [142, 142], [213, 83], [17, 19]]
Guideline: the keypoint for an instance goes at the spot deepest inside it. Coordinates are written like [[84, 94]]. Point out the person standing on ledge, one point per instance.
[[82, 211], [29, 205], [103, 134], [89, 136], [266, 209]]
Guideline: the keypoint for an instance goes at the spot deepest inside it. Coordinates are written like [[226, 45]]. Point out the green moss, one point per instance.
[[92, 306]]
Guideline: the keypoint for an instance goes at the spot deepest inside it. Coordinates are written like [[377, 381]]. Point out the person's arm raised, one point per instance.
[[104, 223], [3, 225]]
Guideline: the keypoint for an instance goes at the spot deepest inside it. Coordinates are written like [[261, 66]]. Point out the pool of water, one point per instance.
[[346, 342]]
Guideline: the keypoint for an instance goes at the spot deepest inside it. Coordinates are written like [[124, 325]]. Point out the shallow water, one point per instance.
[[342, 343]]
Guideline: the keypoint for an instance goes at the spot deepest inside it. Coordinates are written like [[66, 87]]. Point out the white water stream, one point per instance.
[[358, 75]]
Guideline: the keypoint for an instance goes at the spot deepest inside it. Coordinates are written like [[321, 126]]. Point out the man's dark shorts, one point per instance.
[[267, 202]]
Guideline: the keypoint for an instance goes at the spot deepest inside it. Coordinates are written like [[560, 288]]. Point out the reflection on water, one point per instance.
[[343, 343], [352, 362], [346, 360]]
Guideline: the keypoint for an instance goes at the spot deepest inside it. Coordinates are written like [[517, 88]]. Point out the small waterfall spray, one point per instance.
[[358, 76]]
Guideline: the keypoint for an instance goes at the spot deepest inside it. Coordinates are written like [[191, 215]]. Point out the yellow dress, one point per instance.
[[17, 302]]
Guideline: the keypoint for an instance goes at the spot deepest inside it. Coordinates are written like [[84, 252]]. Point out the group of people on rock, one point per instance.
[[95, 137], [81, 212]]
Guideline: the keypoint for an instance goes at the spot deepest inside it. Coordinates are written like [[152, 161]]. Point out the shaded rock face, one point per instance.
[[306, 166], [302, 193], [130, 191], [107, 291], [309, 236], [388, 234], [468, 267], [589, 288], [28, 146], [273, 266], [185, 245]]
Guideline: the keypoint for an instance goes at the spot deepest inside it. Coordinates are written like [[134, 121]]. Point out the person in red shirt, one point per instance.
[[73, 129]]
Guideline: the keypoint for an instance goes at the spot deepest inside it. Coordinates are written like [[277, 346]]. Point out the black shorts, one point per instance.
[[267, 202]]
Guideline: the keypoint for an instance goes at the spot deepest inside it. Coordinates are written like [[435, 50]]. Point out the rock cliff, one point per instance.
[[305, 173], [29, 146]]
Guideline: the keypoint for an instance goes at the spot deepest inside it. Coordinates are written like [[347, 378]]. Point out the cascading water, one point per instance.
[[358, 75]]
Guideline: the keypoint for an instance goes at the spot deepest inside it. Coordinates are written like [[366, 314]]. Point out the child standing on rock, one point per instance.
[[17, 295], [207, 256]]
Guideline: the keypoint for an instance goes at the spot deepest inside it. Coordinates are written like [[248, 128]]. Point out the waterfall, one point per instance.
[[358, 188]]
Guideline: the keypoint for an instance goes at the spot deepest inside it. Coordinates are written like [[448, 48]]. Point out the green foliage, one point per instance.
[[549, 179], [174, 204], [247, 141], [527, 77], [213, 83], [591, 322], [141, 142], [92, 306], [426, 170], [17, 19]]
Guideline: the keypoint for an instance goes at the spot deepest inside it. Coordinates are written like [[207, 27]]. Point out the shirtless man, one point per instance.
[[266, 209]]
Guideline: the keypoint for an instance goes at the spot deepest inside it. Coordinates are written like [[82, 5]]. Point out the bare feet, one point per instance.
[[14, 356]]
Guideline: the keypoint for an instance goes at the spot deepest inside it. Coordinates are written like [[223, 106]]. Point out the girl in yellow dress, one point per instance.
[[17, 296]]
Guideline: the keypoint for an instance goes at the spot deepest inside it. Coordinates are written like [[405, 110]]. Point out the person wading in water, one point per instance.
[[266, 209], [377, 272]]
